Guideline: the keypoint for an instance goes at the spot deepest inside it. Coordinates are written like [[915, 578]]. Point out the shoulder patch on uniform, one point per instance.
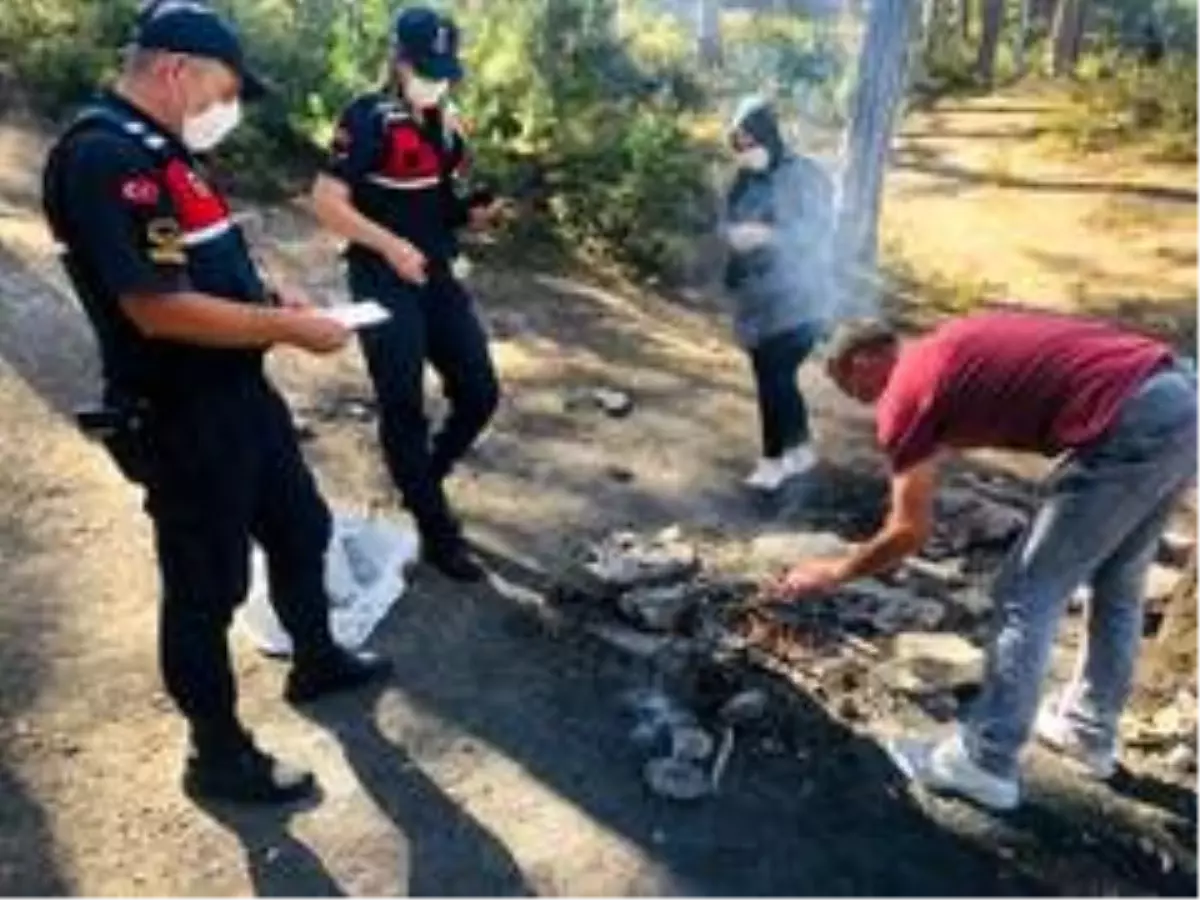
[[164, 242], [140, 190]]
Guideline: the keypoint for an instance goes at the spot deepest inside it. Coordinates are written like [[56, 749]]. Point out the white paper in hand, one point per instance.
[[357, 315]]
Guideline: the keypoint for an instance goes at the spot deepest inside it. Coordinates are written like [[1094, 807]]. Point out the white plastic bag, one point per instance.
[[364, 576]]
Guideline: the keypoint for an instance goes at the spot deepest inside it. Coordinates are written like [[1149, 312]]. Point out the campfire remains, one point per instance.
[[722, 665]]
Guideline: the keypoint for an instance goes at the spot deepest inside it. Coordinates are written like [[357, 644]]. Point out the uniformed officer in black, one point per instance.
[[390, 189], [183, 322]]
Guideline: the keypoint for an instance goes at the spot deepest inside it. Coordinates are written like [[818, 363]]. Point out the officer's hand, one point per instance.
[[485, 216], [407, 261], [310, 330]]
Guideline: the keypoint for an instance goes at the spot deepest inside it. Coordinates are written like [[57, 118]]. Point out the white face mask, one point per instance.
[[423, 93], [756, 159], [207, 129]]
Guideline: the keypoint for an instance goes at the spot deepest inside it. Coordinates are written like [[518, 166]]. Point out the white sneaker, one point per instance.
[[799, 460], [943, 766], [768, 475], [1056, 732]]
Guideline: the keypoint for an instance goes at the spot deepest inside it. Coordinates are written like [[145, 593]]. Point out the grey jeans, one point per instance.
[[1106, 509]]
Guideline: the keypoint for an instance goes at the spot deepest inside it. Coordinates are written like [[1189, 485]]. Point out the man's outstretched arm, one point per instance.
[[908, 526]]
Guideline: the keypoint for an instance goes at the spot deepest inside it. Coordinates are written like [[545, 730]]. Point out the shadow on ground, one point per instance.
[[278, 865], [929, 161], [45, 337], [29, 863], [782, 826]]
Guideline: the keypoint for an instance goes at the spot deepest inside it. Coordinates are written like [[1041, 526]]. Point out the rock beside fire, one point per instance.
[[624, 561], [925, 662], [663, 608], [870, 607], [627, 560], [966, 521]]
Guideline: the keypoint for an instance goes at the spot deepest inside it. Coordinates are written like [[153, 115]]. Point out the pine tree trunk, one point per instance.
[[989, 41], [1024, 27], [708, 32], [934, 15], [1044, 11], [877, 98], [964, 18], [1067, 38]]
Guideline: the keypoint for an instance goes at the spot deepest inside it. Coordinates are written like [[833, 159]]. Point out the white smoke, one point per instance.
[[813, 105]]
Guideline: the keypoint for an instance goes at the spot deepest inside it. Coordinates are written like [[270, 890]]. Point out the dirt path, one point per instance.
[[498, 762], [982, 202]]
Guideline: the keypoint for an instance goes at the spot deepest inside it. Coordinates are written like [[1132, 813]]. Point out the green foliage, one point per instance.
[[798, 60], [318, 55], [597, 122], [59, 49], [1128, 102], [639, 196]]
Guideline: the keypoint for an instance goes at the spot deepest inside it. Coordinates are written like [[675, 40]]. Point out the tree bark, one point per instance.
[[1044, 11], [1067, 38], [1023, 31], [992, 18], [708, 31], [933, 22], [877, 98]]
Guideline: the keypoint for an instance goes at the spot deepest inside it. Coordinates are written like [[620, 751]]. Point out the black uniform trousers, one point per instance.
[[226, 469], [436, 323]]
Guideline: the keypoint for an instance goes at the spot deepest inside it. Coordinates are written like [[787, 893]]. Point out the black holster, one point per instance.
[[123, 428]]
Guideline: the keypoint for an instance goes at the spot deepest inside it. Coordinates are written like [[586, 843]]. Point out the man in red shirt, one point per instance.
[[1122, 410]]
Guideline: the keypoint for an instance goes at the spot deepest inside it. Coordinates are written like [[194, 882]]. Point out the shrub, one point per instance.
[[560, 104], [799, 61], [1121, 102], [59, 49]]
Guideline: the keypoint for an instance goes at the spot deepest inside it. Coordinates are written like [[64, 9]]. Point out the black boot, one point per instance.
[[454, 560], [237, 771], [332, 673]]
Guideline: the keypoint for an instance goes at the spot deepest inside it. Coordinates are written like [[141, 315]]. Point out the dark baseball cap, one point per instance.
[[428, 41], [192, 28]]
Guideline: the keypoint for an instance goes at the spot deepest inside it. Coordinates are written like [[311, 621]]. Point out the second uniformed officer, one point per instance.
[[183, 321], [390, 190]]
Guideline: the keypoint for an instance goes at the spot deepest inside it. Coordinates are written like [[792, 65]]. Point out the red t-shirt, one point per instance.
[[1017, 380]]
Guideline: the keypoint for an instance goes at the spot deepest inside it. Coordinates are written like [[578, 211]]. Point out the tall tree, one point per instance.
[[992, 21], [964, 18], [708, 31], [877, 97], [934, 14], [1043, 11], [1024, 27], [1067, 38]]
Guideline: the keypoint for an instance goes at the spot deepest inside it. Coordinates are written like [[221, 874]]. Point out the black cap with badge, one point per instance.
[[193, 28], [428, 42]]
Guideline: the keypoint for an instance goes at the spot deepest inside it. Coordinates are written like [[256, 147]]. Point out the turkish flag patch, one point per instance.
[[140, 190]]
